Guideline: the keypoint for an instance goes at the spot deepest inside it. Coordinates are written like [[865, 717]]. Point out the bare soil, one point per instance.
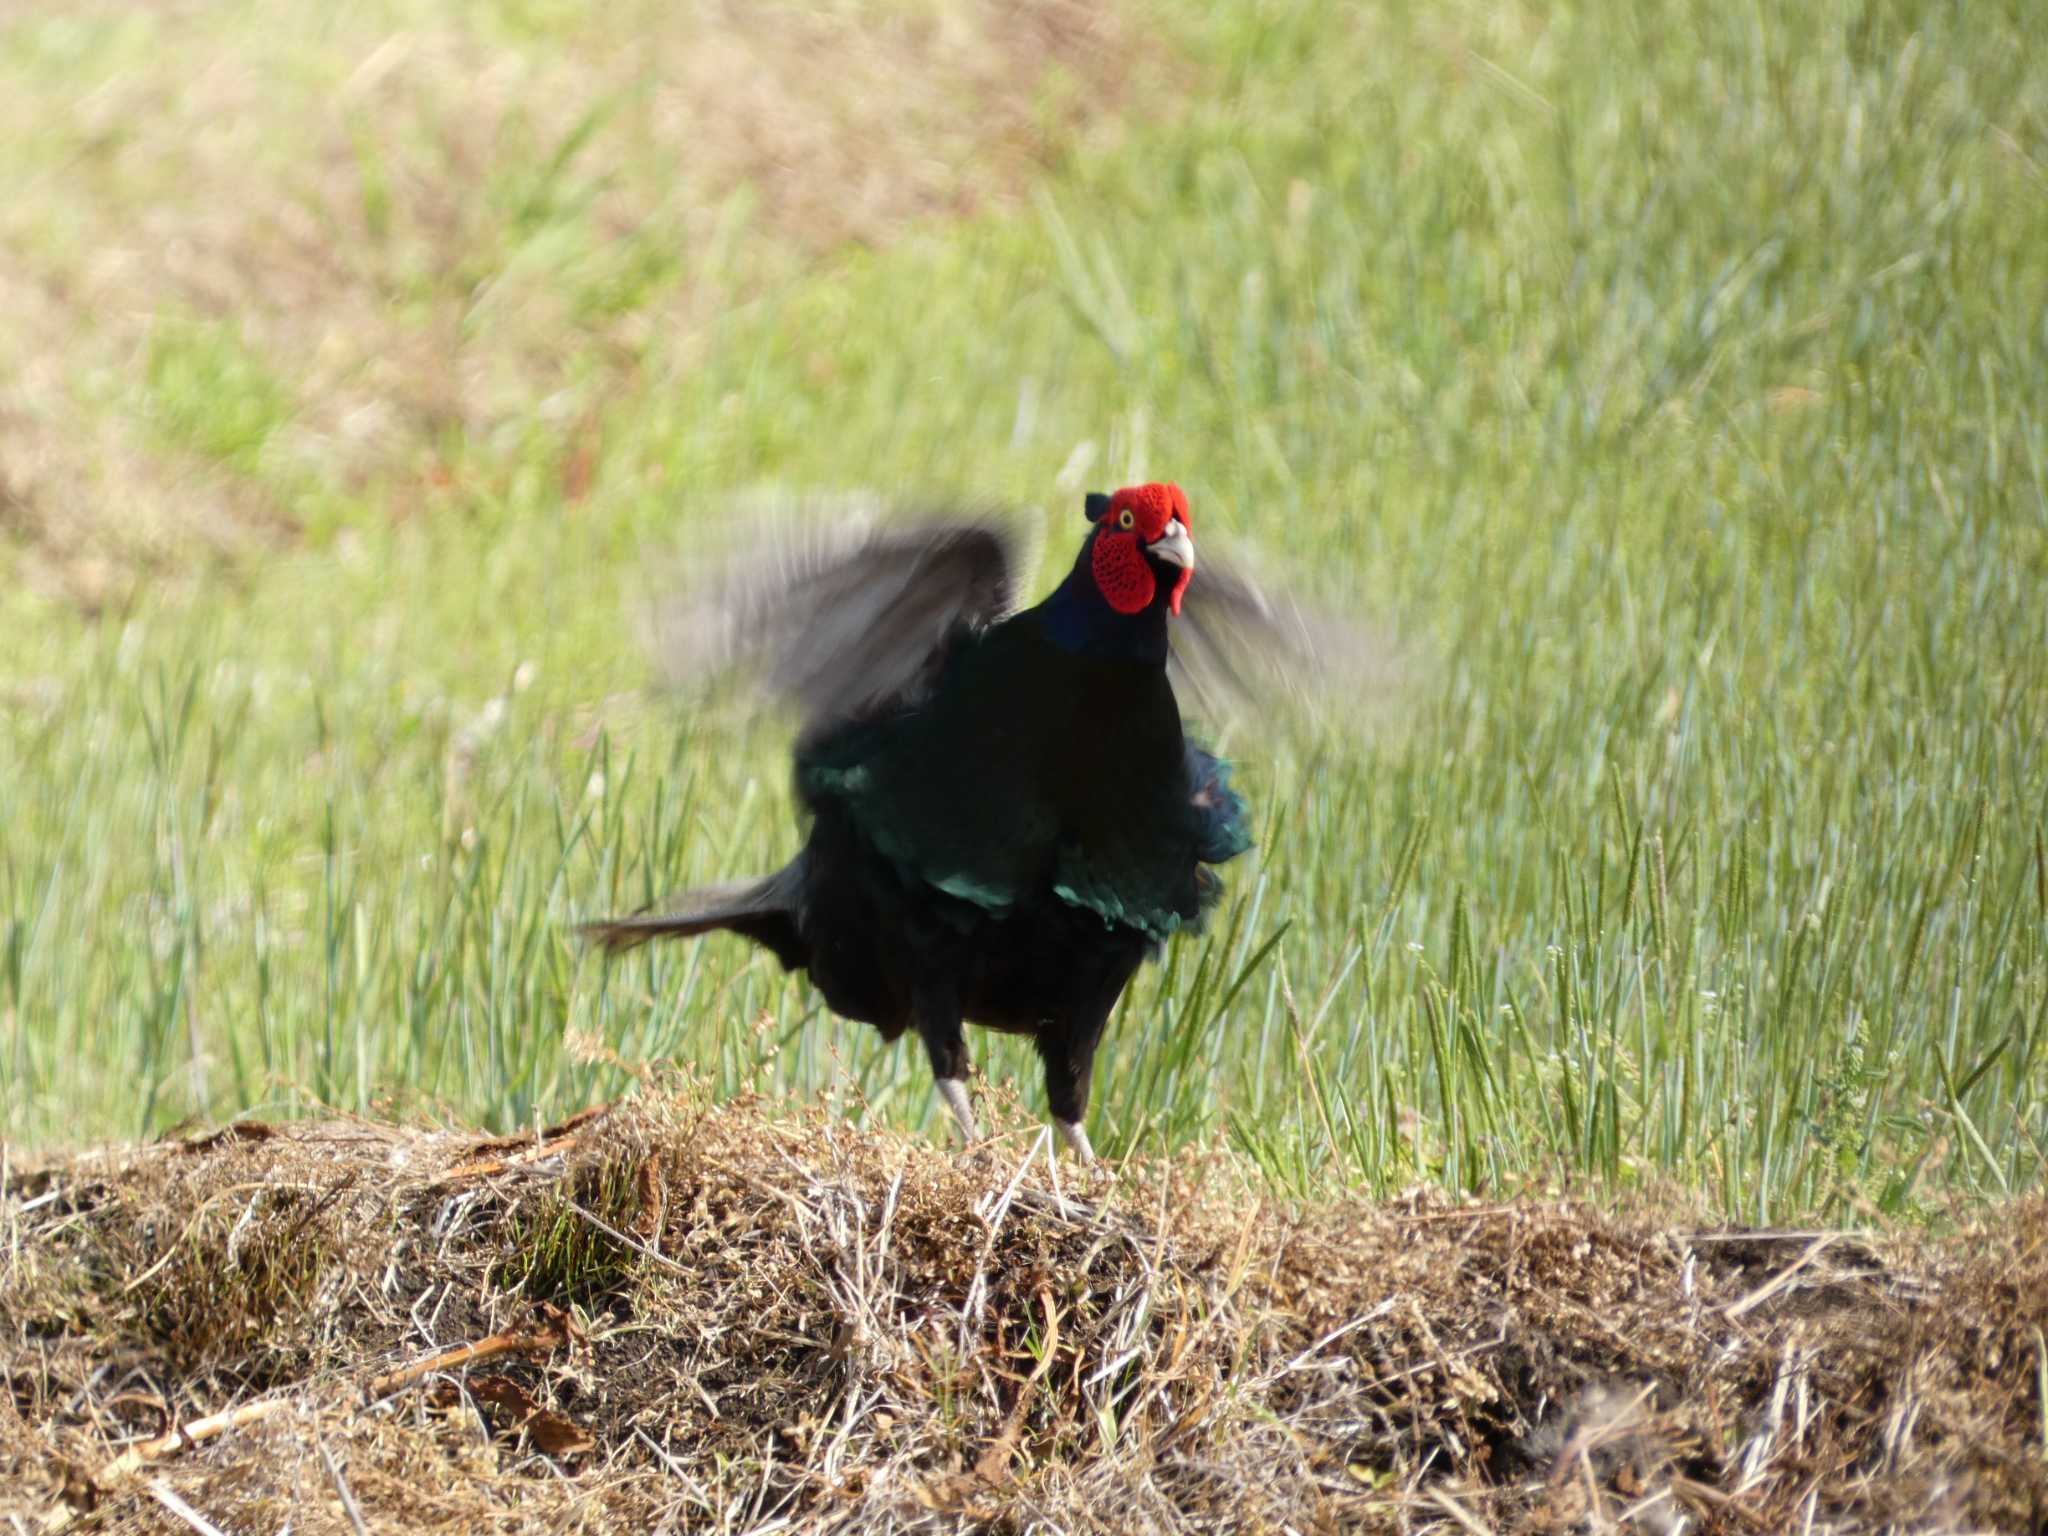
[[672, 1316]]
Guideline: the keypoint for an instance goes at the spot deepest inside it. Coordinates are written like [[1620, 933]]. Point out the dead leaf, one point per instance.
[[504, 1394], [553, 1435], [238, 1130]]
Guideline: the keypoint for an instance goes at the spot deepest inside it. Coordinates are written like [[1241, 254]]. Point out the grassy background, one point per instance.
[[1669, 379]]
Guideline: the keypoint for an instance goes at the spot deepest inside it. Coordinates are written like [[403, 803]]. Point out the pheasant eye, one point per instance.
[[1124, 518]]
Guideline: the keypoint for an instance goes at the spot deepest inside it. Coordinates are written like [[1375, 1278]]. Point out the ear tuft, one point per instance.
[[1096, 506]]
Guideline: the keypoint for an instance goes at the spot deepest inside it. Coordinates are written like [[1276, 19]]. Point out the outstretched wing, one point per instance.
[[847, 609], [1242, 645], [841, 613]]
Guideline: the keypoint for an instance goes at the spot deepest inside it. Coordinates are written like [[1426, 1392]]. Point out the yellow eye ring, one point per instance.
[[1124, 519]]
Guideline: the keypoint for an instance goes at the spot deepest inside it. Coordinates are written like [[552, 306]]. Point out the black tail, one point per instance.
[[762, 910]]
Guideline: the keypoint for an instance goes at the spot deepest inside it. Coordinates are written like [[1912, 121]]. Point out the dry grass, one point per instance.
[[252, 259], [670, 1316]]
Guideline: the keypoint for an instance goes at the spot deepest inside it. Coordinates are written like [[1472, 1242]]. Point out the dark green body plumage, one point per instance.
[[1002, 833], [1037, 771]]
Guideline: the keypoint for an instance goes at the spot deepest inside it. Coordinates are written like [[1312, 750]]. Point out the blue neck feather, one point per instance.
[[1077, 617]]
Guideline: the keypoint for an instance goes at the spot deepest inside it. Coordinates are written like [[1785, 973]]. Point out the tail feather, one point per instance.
[[762, 910]]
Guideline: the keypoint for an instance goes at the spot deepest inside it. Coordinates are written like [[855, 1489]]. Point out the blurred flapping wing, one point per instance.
[[1245, 647], [842, 614]]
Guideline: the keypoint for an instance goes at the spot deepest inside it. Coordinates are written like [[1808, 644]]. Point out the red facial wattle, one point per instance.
[[1180, 586], [1125, 580], [1129, 522]]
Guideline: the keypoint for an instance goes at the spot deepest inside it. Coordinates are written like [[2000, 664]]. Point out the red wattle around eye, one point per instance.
[[1121, 574]]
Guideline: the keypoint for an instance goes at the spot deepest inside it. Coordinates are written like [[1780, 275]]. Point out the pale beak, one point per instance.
[[1174, 546]]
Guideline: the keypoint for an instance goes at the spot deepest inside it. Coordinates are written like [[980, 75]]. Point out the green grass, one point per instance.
[[1671, 380]]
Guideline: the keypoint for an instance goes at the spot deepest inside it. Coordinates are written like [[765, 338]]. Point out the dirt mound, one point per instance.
[[666, 1315]]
